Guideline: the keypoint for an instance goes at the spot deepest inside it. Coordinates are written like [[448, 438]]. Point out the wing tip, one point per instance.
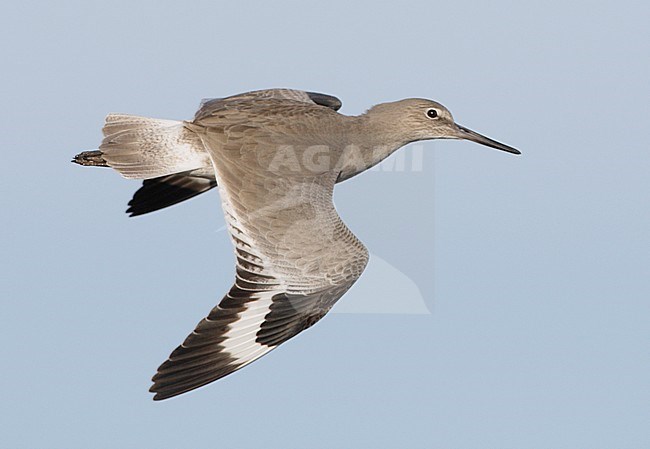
[[165, 191], [328, 101], [160, 395], [166, 388]]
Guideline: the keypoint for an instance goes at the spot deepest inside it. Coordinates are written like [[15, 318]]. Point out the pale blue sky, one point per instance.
[[536, 269]]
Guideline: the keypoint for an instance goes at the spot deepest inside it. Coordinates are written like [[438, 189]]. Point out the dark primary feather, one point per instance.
[[158, 193], [325, 100], [203, 356], [254, 317]]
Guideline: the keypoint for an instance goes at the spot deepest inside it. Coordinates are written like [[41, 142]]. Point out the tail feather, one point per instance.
[[169, 157], [145, 148], [116, 123]]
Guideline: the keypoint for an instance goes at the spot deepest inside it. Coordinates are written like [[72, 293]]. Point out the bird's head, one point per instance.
[[420, 119]]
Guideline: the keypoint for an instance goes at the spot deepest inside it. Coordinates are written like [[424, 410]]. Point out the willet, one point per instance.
[[275, 156]]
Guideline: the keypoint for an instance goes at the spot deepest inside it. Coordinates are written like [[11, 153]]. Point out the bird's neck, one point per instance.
[[371, 140]]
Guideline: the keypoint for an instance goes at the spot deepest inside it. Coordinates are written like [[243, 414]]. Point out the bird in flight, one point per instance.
[[275, 156]]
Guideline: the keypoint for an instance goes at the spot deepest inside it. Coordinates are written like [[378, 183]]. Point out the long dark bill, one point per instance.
[[468, 134]]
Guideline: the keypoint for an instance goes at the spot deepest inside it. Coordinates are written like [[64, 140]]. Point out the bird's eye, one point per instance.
[[432, 113]]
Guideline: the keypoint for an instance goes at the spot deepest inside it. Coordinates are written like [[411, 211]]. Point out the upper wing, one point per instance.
[[208, 106], [295, 259]]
